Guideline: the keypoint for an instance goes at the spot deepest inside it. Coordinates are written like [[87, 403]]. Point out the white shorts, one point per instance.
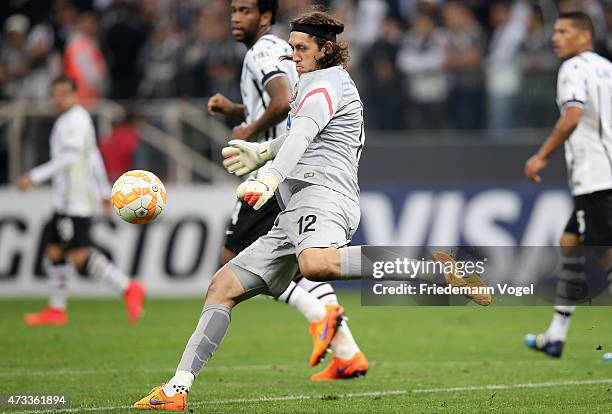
[[315, 216]]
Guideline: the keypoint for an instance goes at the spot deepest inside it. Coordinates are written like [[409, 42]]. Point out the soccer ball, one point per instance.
[[138, 197]]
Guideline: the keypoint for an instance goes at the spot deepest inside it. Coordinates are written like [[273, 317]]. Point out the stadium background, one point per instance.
[[457, 96]]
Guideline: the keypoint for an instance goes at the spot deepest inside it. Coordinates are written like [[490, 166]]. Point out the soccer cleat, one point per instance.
[[157, 400], [355, 367], [47, 316], [541, 343], [472, 280], [134, 299], [323, 332]]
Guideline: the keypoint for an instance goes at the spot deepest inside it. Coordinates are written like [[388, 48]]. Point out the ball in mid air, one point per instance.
[[138, 197]]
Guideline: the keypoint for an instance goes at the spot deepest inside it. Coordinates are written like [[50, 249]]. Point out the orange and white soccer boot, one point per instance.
[[134, 300], [47, 316], [471, 280], [158, 400], [355, 367], [323, 332]]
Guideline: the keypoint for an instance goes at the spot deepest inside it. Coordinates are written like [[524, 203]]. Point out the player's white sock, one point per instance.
[[557, 331], [308, 305], [344, 344], [321, 290], [181, 383], [58, 275], [101, 268]]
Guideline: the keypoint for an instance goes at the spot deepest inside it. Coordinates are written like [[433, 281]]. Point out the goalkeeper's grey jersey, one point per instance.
[[330, 98], [262, 64]]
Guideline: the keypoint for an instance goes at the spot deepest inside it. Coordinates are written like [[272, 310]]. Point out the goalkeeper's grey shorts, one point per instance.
[[315, 216]]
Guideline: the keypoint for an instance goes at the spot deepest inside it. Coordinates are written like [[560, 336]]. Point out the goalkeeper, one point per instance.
[[315, 173], [266, 88]]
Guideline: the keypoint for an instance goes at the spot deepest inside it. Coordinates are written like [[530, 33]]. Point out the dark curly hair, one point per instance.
[[319, 18], [268, 6]]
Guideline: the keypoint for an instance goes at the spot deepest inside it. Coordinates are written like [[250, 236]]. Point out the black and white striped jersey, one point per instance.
[[585, 81], [261, 64]]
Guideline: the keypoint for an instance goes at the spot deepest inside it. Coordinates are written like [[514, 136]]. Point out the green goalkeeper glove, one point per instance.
[[242, 157], [257, 191]]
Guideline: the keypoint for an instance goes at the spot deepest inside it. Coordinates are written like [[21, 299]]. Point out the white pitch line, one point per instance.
[[25, 372], [513, 386], [62, 372], [340, 396], [302, 397]]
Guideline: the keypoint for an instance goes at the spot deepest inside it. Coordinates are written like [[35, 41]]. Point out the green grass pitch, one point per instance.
[[422, 359]]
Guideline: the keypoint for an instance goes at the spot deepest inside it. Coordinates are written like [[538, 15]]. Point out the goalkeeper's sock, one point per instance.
[[210, 331], [557, 331], [350, 262], [99, 267], [351, 266], [180, 383], [308, 305]]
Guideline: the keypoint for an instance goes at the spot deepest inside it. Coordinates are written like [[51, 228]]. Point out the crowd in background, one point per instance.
[[419, 64]]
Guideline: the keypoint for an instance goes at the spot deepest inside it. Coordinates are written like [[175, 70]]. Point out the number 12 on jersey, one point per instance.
[[306, 223]]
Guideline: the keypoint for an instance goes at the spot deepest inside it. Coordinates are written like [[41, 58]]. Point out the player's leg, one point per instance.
[[344, 263], [603, 206], [317, 218], [246, 226], [342, 343], [322, 291], [570, 288], [57, 270], [235, 282], [603, 238], [348, 360], [325, 316], [92, 262], [224, 292], [309, 305]]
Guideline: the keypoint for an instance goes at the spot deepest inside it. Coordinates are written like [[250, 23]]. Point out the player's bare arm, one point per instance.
[[566, 124], [220, 104], [279, 90]]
